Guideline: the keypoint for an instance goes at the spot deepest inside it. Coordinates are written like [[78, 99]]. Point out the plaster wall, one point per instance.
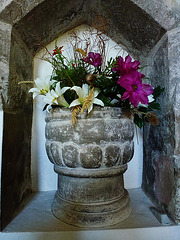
[[43, 176]]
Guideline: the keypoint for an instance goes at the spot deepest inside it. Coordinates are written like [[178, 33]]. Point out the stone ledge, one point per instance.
[[36, 222], [36, 216]]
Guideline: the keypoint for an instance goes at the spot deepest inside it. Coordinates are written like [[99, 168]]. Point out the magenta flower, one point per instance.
[[94, 59], [123, 67], [136, 91]]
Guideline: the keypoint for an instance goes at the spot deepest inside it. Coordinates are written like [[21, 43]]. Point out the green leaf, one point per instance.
[[104, 99], [143, 109], [157, 91], [138, 121], [155, 105]]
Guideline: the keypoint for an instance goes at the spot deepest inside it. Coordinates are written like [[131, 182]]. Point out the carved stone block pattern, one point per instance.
[[70, 155], [90, 160]]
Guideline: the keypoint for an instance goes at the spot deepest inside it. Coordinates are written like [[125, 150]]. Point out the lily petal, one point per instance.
[[96, 92], [90, 108], [34, 90], [98, 102], [85, 90], [62, 101], [78, 90], [64, 89], [75, 103]]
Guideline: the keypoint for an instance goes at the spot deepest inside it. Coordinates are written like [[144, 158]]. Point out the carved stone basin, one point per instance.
[[90, 160]]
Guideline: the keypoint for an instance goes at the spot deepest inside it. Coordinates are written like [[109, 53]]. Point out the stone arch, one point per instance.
[[140, 27]]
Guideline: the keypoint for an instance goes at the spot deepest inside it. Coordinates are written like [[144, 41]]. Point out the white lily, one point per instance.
[[42, 86], [55, 97], [83, 93], [51, 98], [60, 91]]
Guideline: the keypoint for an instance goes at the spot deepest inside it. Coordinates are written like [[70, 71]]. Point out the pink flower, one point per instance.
[[94, 59], [136, 91], [123, 67]]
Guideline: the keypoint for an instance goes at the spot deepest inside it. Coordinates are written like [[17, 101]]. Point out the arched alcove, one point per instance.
[[43, 178], [27, 26]]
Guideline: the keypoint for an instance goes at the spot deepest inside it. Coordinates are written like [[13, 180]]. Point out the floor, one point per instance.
[[36, 222]]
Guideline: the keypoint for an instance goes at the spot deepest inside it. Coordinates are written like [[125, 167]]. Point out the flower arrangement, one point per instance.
[[88, 79]]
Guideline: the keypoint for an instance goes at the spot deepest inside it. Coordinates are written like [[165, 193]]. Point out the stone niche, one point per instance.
[[148, 30]]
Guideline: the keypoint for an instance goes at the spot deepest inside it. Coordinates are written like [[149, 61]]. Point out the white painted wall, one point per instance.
[[43, 176]]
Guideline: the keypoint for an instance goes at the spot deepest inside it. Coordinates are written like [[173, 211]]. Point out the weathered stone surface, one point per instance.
[[48, 151], [174, 73], [16, 65], [21, 70], [99, 130], [155, 138], [5, 36], [70, 14], [164, 179], [90, 190], [121, 130], [174, 205], [12, 11], [56, 16], [130, 35], [90, 184], [92, 201], [56, 153], [67, 133], [160, 11], [93, 215], [112, 155], [128, 152], [177, 132], [91, 157], [163, 140], [16, 163], [174, 5], [112, 131], [70, 155]]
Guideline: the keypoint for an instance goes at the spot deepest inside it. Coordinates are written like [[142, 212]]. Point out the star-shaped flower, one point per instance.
[[84, 96], [42, 86]]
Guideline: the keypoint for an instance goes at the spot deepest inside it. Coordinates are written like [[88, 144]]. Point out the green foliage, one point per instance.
[[79, 71], [139, 121], [157, 91], [155, 105]]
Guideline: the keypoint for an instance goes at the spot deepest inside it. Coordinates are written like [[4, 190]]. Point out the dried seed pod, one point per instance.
[[91, 78], [152, 119]]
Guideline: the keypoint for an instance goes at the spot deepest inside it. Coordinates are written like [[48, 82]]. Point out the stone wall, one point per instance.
[[5, 36], [17, 106], [161, 144], [147, 29], [174, 95]]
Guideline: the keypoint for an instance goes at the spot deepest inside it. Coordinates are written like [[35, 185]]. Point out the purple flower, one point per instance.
[[136, 91], [94, 59], [123, 67]]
